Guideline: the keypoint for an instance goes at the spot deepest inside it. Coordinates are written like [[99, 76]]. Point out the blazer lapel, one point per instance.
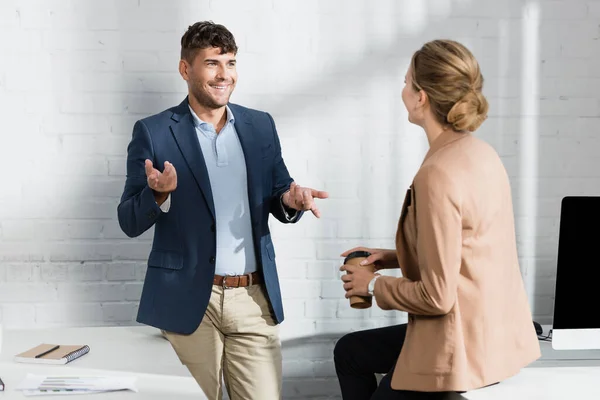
[[401, 245], [406, 255], [252, 154], [184, 133]]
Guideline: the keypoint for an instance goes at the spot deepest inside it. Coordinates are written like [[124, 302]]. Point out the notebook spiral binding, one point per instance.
[[78, 353]]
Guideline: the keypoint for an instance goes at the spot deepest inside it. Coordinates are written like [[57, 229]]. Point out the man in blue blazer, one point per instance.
[[207, 174]]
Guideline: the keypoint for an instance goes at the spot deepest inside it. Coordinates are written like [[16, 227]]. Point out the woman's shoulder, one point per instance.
[[466, 152], [461, 161]]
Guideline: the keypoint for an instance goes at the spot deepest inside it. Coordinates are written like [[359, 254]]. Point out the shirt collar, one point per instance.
[[199, 123]]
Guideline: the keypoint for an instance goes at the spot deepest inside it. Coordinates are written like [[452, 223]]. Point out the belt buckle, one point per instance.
[[224, 283]]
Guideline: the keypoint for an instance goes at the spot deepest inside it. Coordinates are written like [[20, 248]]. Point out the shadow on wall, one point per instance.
[[137, 51]]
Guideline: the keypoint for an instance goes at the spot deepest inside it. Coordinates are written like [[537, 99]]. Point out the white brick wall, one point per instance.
[[76, 74]]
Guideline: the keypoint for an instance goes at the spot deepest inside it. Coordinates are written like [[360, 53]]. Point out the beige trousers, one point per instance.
[[237, 340]]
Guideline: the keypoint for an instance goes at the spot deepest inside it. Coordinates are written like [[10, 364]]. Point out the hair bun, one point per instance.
[[469, 112]]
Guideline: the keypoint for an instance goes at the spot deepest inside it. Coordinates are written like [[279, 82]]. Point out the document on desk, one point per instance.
[[36, 385], [59, 392]]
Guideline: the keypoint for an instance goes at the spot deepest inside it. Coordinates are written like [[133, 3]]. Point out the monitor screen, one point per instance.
[[577, 296]]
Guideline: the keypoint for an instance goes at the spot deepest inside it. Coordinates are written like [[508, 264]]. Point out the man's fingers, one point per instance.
[[319, 194], [169, 169], [153, 182], [291, 194], [315, 211], [152, 175], [307, 200], [348, 286], [349, 293], [303, 198], [347, 277], [149, 168]]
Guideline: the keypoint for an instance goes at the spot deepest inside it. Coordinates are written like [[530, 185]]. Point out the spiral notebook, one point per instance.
[[52, 354]]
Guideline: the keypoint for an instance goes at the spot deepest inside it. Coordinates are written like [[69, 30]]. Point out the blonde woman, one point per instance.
[[469, 321]]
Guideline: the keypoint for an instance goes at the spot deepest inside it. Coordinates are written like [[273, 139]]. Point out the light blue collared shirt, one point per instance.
[[226, 167]]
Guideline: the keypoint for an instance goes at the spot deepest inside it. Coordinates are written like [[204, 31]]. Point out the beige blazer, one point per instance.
[[469, 321]]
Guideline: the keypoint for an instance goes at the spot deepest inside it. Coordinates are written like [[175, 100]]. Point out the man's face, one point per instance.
[[211, 77]]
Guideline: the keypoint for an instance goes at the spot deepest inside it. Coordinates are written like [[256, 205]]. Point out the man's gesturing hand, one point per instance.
[[162, 182], [302, 198]]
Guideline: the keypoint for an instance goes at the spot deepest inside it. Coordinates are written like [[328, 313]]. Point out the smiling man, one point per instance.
[[207, 174]]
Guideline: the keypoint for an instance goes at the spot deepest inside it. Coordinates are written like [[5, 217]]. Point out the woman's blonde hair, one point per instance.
[[449, 73]]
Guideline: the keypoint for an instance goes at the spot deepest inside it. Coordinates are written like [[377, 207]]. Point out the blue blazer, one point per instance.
[[181, 264]]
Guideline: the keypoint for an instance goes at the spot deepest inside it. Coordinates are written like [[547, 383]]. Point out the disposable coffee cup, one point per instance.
[[355, 258]]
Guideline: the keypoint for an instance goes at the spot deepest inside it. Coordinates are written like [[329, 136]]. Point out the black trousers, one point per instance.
[[358, 356]]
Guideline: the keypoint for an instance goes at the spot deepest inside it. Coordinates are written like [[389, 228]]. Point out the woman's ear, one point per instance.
[[423, 99]]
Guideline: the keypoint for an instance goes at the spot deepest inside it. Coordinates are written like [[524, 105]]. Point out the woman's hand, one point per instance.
[[380, 258]]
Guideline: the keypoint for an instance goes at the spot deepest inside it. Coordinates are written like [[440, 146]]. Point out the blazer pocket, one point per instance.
[[430, 344], [165, 259]]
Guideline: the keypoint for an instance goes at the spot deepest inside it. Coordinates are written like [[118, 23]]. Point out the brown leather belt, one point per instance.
[[235, 281]]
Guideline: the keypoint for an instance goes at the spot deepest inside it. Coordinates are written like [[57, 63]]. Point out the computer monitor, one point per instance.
[[576, 323]]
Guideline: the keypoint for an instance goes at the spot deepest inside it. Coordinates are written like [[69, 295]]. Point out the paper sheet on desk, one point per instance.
[[35, 385], [59, 392]]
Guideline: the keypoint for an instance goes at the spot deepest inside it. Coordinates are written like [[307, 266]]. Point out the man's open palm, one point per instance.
[[165, 181]]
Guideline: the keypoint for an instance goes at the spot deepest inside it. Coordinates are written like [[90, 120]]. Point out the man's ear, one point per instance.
[[183, 69]]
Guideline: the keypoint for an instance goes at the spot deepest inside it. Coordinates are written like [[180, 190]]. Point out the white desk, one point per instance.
[[125, 351], [557, 375], [129, 349], [555, 383], [141, 351], [150, 386]]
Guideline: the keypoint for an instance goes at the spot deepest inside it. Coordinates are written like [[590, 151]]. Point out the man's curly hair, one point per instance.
[[206, 34]]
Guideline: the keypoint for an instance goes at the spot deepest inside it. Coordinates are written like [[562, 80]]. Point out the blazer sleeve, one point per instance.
[[281, 183], [137, 210], [439, 247]]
